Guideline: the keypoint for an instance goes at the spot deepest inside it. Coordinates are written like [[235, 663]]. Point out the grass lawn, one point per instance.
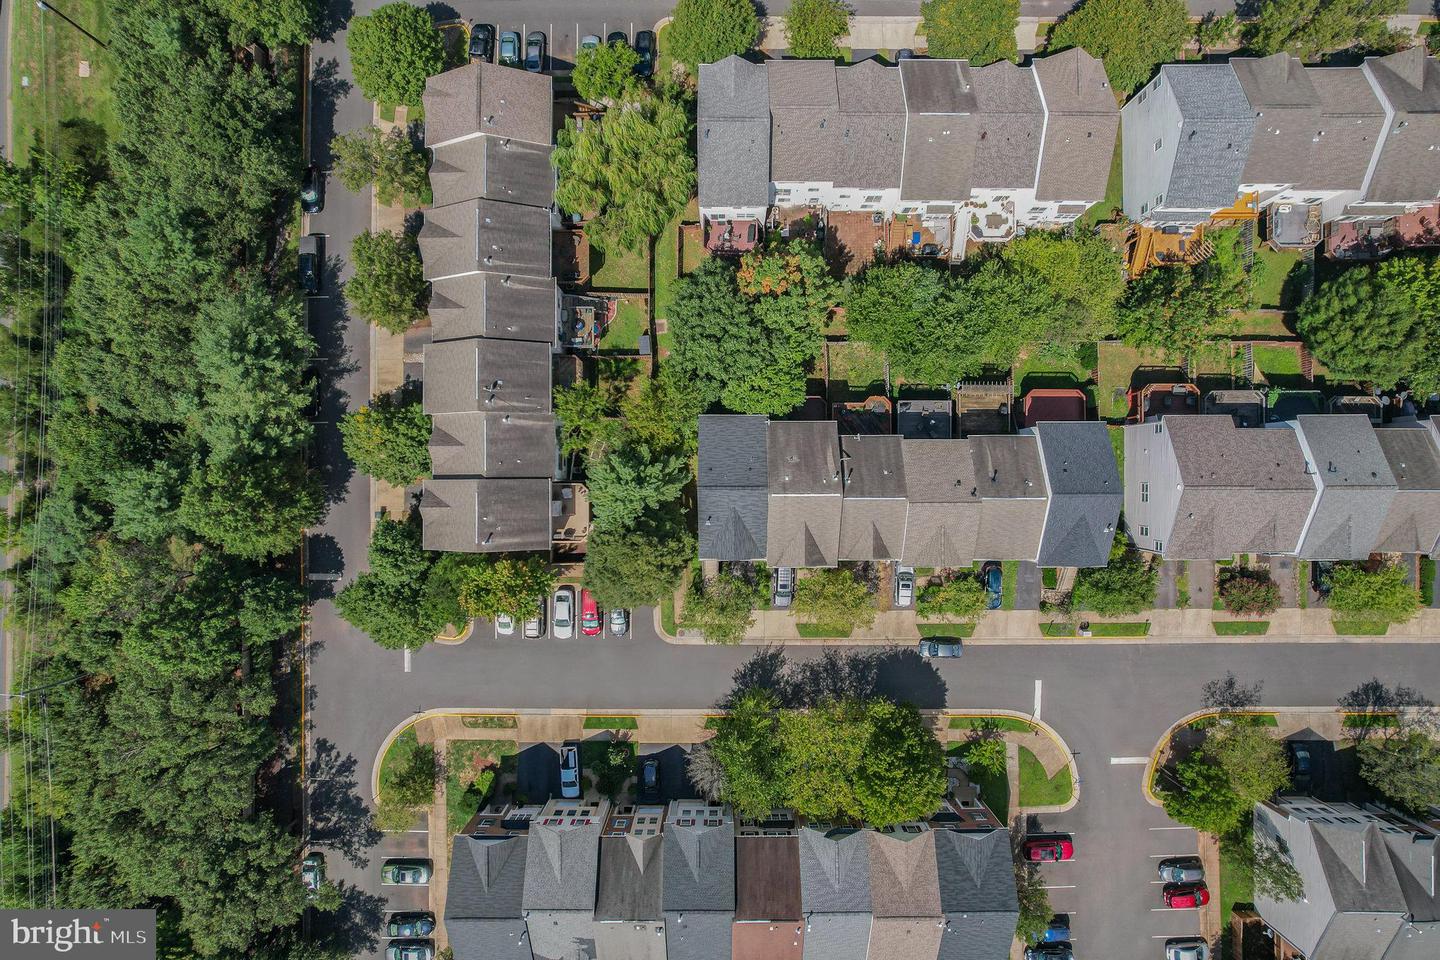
[[485, 758], [1277, 361], [1117, 444], [1038, 790], [1049, 577], [962, 630], [619, 269], [668, 267], [994, 790], [1114, 188], [1302, 583], [1053, 372], [1008, 571], [1236, 886], [1117, 371], [397, 755], [1254, 323], [667, 613], [1281, 277], [664, 63], [1240, 628], [1239, 720], [611, 723], [1014, 724], [1135, 629], [488, 722], [821, 631], [1362, 628], [617, 373], [1427, 581], [625, 330], [48, 51], [857, 371]]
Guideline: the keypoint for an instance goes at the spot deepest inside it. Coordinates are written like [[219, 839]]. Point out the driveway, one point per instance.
[[1027, 585], [1166, 588], [1282, 571]]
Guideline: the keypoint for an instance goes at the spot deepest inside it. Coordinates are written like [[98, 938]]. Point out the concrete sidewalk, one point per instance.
[[387, 350], [889, 33], [1192, 625]]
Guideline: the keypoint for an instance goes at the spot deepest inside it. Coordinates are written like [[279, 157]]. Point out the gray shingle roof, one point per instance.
[[493, 444], [939, 156], [484, 98], [630, 879], [732, 487], [869, 87], [938, 86], [1011, 125], [976, 872], [509, 376], [699, 869], [1352, 119], [562, 934], [489, 235], [904, 938], [486, 516], [495, 168], [1412, 524], [809, 84], [872, 520], [836, 936], [1409, 167], [493, 305], [560, 867], [1216, 128], [486, 878], [834, 871], [803, 525], [1086, 494], [944, 510], [1356, 486], [1080, 134], [698, 935], [733, 134], [1287, 117], [1011, 484]]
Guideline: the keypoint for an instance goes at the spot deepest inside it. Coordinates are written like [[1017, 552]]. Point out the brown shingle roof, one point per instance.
[[767, 878], [484, 98]]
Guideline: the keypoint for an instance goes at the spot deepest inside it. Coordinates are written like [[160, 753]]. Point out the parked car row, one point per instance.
[[560, 615], [647, 785], [506, 47], [645, 45]]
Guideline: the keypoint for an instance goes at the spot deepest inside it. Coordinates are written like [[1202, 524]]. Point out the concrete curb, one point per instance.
[[458, 638], [1042, 727]]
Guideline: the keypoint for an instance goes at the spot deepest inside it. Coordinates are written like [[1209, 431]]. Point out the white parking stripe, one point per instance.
[[1137, 761], [1172, 828], [1037, 700], [407, 659], [1059, 886]]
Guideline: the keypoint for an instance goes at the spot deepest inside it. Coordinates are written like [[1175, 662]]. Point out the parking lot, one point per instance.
[[562, 39]]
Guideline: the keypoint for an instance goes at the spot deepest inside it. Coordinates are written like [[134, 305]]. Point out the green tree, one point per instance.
[[640, 566], [1034, 901], [748, 746], [1405, 767], [721, 608], [834, 597], [1381, 595], [1272, 870], [1215, 30], [1177, 309], [821, 752], [1247, 591], [963, 597], [813, 26], [981, 31], [1125, 585], [390, 161], [663, 413], [389, 439], [252, 509], [388, 288], [1110, 30], [412, 783], [274, 22], [705, 31], [1254, 762], [1394, 342], [386, 600], [1311, 28], [393, 51], [605, 73], [901, 775], [583, 413], [1201, 797], [630, 480], [987, 754], [632, 170], [507, 586], [1084, 270]]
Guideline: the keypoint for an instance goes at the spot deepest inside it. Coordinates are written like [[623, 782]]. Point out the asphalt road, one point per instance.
[[1108, 701]]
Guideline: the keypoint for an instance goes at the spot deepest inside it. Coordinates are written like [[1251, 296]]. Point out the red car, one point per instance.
[[590, 621], [1048, 849], [1185, 895]]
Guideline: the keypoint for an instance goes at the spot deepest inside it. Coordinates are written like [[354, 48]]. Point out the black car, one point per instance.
[[645, 46], [650, 781], [309, 265], [410, 925], [1320, 573], [312, 190], [618, 36], [482, 42]]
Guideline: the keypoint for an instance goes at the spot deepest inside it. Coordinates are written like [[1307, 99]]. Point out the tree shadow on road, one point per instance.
[[340, 819], [896, 673]]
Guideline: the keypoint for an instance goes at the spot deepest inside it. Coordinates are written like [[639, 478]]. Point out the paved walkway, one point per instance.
[[387, 350]]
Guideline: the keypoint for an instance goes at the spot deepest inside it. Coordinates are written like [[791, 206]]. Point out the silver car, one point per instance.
[[535, 626], [504, 625], [784, 587], [570, 772], [562, 614], [1187, 948], [619, 622], [946, 647], [904, 587], [1181, 870]]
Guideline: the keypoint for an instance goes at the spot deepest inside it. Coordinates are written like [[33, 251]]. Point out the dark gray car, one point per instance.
[[1181, 870]]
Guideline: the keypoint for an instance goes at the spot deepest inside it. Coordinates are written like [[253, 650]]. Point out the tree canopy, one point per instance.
[[510, 586], [1125, 585], [1381, 594], [834, 597], [389, 439], [812, 27], [631, 171], [981, 31], [273, 22], [1132, 37], [1178, 308], [963, 596], [386, 600], [1396, 341], [388, 288], [390, 161], [631, 480], [393, 51], [722, 608], [1309, 29], [1247, 591], [705, 31], [605, 73]]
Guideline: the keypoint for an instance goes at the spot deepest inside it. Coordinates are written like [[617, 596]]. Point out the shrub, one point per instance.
[[1247, 591]]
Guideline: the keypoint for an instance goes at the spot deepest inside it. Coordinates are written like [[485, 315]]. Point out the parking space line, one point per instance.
[[1168, 856], [1059, 886], [1172, 828], [1128, 760], [1037, 701], [407, 659]]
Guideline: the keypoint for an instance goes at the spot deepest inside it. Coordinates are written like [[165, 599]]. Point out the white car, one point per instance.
[[504, 625], [619, 622], [535, 626], [1187, 948], [562, 614], [570, 772], [904, 587]]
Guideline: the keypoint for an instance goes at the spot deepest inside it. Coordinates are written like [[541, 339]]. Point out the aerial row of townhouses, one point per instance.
[[583, 879], [955, 155]]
